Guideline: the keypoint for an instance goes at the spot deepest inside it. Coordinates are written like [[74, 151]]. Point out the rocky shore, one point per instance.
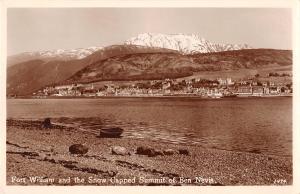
[[39, 155]]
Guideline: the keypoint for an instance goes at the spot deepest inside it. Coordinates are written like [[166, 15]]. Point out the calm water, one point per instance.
[[242, 124]]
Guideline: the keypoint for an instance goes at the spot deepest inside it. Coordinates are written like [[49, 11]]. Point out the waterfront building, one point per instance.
[[265, 84], [257, 90], [222, 81], [274, 90], [229, 81], [244, 91], [266, 90], [66, 87], [166, 85]]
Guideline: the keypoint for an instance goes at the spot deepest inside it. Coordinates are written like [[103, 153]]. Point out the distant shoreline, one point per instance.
[[171, 96]]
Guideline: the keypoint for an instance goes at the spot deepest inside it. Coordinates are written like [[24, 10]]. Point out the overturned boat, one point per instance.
[[112, 132]]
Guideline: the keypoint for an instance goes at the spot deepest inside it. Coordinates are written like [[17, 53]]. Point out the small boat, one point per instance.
[[113, 132]]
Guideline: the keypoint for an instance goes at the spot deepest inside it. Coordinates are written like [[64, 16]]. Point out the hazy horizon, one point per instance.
[[37, 29]]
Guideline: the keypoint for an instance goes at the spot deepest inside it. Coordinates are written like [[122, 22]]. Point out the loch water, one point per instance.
[[259, 125]]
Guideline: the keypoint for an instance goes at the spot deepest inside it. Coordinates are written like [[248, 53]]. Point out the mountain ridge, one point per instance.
[[184, 43], [138, 62], [49, 55], [187, 44]]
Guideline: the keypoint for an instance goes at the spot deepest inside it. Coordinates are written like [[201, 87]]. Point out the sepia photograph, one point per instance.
[[149, 96]]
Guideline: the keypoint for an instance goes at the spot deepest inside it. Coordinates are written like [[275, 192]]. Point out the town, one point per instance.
[[216, 88]]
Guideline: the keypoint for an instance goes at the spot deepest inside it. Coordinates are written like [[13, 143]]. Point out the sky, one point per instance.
[[35, 29]]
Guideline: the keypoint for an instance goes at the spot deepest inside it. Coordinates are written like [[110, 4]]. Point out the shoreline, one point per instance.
[[171, 96], [33, 151]]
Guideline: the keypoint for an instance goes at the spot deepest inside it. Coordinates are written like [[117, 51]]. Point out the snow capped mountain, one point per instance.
[[59, 54], [66, 54], [187, 44]]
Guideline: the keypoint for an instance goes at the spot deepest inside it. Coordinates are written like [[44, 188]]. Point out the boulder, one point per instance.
[[118, 150], [158, 152], [184, 152], [143, 150], [46, 124], [151, 152], [78, 149], [169, 151]]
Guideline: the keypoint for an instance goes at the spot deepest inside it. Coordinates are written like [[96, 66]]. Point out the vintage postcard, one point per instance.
[[117, 93]]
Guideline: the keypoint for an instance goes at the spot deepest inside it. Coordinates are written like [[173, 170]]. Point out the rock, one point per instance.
[[78, 149], [184, 152], [46, 124], [151, 152], [131, 152], [269, 158], [142, 150], [43, 155], [158, 152], [256, 151], [169, 151], [118, 150]]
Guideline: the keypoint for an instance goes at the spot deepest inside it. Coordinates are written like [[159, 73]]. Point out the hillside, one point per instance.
[[148, 66], [26, 77], [130, 62], [248, 58]]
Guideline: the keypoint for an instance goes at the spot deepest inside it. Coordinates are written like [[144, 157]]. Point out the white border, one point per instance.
[[4, 4], [150, 3]]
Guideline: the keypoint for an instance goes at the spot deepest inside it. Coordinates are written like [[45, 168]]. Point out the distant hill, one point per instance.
[[148, 66], [26, 77], [156, 56], [58, 55]]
